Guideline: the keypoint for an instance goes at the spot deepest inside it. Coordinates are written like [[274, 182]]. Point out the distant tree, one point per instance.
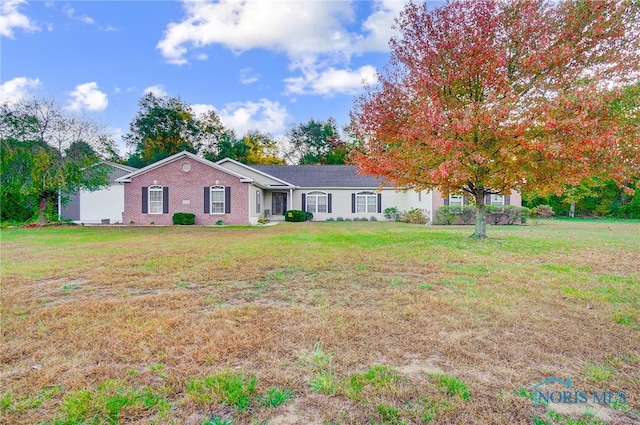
[[46, 155], [489, 96], [215, 138], [162, 127], [316, 142], [228, 146], [262, 149]]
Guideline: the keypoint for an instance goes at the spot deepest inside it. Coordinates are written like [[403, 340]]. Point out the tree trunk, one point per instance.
[[481, 217], [42, 218], [572, 209]]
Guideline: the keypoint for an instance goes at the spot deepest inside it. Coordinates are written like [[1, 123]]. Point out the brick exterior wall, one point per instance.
[[186, 194]]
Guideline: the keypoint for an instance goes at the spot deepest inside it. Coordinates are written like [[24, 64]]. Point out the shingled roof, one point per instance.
[[320, 176]]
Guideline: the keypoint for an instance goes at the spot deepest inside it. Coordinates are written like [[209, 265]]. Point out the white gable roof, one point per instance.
[[269, 180]]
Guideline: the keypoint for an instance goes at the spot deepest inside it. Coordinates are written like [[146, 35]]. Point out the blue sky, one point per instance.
[[260, 64]]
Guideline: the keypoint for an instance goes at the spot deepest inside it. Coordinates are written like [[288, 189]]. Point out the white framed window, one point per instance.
[[217, 200], [155, 200], [366, 203], [258, 201], [317, 202], [497, 200], [456, 201]]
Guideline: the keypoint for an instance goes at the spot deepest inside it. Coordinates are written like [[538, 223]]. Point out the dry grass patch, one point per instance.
[[347, 323]]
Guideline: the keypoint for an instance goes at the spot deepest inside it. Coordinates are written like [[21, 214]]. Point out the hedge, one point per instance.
[[184, 218]]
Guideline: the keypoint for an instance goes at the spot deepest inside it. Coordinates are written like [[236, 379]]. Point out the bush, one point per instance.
[[331, 219], [308, 216], [524, 214], [468, 214], [414, 216], [339, 219], [543, 211], [364, 219], [373, 218], [184, 218], [445, 215], [356, 219], [630, 209], [514, 214], [495, 215], [392, 213], [295, 215]]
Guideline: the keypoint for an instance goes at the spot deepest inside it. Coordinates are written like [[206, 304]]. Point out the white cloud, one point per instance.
[[17, 89], [330, 81], [248, 76], [377, 29], [71, 14], [294, 27], [200, 109], [317, 37], [265, 116], [157, 90], [11, 18], [87, 97]]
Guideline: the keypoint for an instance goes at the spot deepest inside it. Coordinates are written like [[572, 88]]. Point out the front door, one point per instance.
[[278, 203]]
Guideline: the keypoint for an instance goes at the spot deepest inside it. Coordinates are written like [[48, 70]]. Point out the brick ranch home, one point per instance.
[[236, 193]]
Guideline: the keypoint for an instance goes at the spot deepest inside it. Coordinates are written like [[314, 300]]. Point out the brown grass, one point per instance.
[[84, 305]]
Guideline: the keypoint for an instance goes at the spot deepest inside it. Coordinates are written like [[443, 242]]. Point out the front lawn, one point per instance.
[[319, 323]]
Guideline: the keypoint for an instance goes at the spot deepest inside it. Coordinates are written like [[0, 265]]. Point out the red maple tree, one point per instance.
[[485, 97]]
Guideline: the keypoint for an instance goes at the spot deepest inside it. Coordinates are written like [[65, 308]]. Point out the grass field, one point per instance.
[[319, 323]]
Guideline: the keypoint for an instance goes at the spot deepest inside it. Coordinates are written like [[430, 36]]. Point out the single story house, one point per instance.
[[234, 193], [99, 206]]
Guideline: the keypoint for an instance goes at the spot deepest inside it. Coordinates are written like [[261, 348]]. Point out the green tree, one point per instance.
[[162, 127], [46, 155], [228, 146], [316, 142], [262, 149]]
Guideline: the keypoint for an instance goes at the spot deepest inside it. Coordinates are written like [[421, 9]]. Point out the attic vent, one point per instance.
[[186, 167]]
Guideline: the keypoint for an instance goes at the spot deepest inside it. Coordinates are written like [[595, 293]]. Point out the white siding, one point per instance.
[[102, 204]]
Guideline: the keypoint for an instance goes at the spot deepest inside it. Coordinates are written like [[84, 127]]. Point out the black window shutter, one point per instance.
[[165, 200], [379, 203], [227, 200], [487, 200], [145, 200], [207, 200], [304, 202], [446, 200], [329, 203], [353, 202], [507, 199]]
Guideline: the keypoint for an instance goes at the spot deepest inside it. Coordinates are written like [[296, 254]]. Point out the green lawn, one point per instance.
[[318, 323]]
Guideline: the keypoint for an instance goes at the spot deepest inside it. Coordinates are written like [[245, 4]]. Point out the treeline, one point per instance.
[[592, 198], [164, 126], [46, 155]]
